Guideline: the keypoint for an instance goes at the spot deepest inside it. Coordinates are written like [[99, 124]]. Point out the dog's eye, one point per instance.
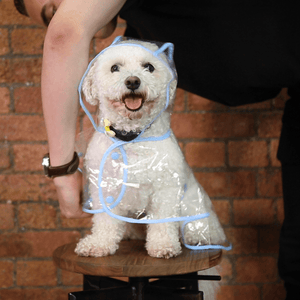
[[149, 67], [115, 68]]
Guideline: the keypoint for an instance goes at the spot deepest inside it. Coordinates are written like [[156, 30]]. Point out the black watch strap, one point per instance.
[[69, 168]]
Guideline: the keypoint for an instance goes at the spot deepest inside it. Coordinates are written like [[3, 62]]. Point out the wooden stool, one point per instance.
[[177, 277]]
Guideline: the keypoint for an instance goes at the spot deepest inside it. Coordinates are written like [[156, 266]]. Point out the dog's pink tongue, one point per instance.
[[133, 103]]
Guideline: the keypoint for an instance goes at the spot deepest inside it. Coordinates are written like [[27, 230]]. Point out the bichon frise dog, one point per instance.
[[134, 164]]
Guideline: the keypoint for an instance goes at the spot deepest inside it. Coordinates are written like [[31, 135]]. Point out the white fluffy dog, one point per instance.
[[130, 86]]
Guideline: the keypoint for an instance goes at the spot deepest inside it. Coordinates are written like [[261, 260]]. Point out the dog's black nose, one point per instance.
[[132, 83]]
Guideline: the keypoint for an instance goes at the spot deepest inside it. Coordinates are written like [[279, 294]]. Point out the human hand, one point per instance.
[[69, 191]]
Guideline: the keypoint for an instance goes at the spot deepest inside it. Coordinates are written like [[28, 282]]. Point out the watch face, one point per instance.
[[46, 171], [46, 162]]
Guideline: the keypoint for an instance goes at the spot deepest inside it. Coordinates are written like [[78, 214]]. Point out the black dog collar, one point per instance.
[[125, 136]]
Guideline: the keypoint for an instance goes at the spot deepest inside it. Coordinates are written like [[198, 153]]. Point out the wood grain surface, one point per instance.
[[132, 260]]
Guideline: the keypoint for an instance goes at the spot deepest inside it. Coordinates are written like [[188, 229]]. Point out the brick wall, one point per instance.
[[232, 151]]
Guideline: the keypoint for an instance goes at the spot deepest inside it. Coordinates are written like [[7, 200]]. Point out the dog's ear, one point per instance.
[[89, 88]]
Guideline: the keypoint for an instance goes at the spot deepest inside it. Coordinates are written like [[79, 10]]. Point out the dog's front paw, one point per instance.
[[90, 246], [164, 250], [163, 240]]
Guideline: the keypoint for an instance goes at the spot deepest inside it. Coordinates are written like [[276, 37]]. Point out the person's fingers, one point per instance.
[[72, 212]]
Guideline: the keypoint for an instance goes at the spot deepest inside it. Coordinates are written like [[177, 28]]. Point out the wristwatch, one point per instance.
[[69, 168]]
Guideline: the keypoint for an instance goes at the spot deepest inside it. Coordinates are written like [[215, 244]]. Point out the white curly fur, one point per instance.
[[157, 171]]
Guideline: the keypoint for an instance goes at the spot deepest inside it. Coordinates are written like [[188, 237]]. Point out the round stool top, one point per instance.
[[132, 260]]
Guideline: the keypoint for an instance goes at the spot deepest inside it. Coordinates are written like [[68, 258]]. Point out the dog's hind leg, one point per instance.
[[206, 231], [107, 232]]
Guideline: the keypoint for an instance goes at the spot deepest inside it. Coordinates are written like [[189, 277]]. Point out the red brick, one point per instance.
[[238, 292], [29, 157], [69, 278], [20, 70], [222, 209], [36, 273], [9, 14], [243, 240], [269, 125], [269, 239], [5, 99], [280, 210], [196, 102], [103, 43], [4, 46], [273, 155], [6, 274], [256, 269], [24, 294], [205, 154], [254, 212], [269, 183], [12, 294], [212, 125], [280, 100], [76, 223], [28, 40], [36, 215], [215, 184], [179, 102], [7, 215], [225, 269], [5, 71], [14, 245], [28, 100], [4, 154], [48, 293], [248, 154], [228, 184], [27, 70], [22, 128], [273, 292], [241, 184], [254, 106], [35, 244], [26, 187]]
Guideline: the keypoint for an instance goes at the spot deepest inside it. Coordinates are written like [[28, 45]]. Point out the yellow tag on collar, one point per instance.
[[107, 128]]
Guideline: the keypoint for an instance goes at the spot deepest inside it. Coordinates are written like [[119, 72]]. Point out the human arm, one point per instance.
[[65, 58], [108, 29]]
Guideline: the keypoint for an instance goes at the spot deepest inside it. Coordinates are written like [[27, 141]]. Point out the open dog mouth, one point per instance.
[[133, 101]]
